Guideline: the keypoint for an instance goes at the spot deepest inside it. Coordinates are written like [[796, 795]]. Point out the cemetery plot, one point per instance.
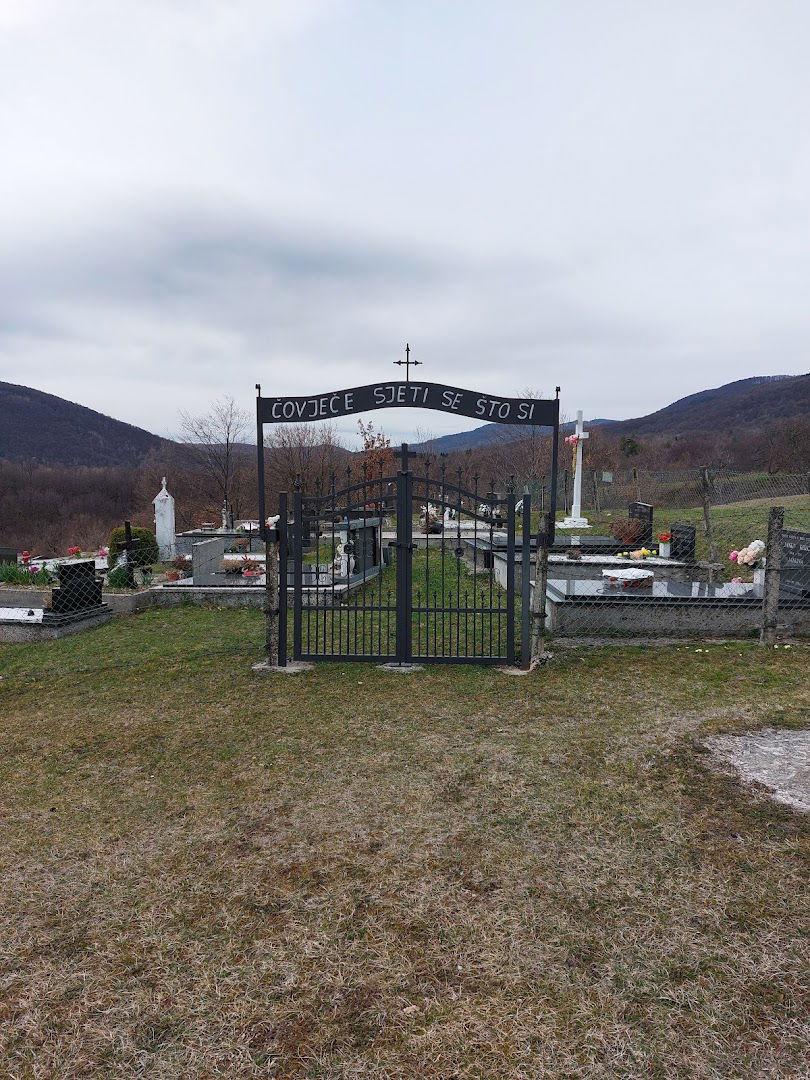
[[697, 590]]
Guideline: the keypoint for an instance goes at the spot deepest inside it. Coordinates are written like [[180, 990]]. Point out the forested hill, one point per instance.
[[755, 403], [47, 429], [749, 403]]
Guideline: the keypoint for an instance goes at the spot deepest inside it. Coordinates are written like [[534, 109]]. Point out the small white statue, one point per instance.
[[345, 561]]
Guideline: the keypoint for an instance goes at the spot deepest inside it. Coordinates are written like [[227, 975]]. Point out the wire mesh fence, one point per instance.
[[667, 553], [682, 554], [60, 590]]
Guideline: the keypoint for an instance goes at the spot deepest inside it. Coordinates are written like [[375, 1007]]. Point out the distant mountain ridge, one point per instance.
[[43, 428], [747, 403]]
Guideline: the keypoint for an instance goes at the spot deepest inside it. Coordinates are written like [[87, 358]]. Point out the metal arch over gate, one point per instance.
[[429, 592]]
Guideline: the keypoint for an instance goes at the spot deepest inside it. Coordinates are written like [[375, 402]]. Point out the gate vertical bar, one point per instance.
[[298, 574], [402, 555], [510, 579], [282, 578], [406, 602], [555, 453], [525, 583]]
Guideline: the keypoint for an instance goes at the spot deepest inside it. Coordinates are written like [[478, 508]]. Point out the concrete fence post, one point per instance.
[[773, 573], [708, 523], [539, 594]]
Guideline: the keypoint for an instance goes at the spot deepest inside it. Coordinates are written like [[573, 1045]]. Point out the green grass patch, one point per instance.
[[209, 872]]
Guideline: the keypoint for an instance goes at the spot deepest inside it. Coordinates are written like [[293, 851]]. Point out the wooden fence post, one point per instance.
[[773, 572]]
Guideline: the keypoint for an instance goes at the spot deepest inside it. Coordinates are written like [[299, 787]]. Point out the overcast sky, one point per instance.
[[198, 195]]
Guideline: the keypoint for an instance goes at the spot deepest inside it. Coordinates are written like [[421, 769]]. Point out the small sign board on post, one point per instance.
[[795, 562]]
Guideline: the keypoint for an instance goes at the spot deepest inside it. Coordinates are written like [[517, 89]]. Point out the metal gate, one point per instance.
[[407, 568]]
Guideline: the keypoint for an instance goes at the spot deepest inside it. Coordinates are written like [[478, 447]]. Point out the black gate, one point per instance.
[[406, 568]]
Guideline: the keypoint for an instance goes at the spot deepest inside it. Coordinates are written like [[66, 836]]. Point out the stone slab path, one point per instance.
[[780, 760]]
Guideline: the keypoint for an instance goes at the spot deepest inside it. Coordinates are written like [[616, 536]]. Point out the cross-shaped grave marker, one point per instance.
[[128, 546], [576, 520]]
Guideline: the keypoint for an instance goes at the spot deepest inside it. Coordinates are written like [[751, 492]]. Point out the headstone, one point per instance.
[[78, 588], [683, 542], [795, 577], [164, 524], [364, 538], [643, 512], [8, 555], [206, 558]]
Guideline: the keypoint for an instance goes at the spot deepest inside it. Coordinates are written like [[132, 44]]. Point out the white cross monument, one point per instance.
[[576, 520], [164, 523]]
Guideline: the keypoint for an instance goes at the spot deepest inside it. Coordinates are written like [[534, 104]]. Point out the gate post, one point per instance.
[[272, 611], [298, 570], [510, 579]]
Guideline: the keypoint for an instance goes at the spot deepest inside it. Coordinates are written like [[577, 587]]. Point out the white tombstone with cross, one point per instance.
[[575, 520], [164, 523]]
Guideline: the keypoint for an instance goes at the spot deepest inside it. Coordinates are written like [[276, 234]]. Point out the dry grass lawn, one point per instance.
[[347, 874]]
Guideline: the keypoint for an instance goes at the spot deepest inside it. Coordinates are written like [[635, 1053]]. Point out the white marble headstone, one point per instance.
[[164, 523]]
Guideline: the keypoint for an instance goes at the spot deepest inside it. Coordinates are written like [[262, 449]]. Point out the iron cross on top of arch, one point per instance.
[[408, 362]]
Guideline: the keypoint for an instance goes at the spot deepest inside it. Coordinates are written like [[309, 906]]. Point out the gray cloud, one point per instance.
[[611, 198]]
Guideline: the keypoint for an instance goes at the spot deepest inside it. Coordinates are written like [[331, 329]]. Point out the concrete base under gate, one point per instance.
[[292, 667]]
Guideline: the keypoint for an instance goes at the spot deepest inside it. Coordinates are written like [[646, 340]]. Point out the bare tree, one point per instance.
[[311, 452], [213, 442], [524, 452]]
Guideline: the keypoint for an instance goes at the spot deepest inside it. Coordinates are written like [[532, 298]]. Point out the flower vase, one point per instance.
[[759, 577], [663, 549]]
